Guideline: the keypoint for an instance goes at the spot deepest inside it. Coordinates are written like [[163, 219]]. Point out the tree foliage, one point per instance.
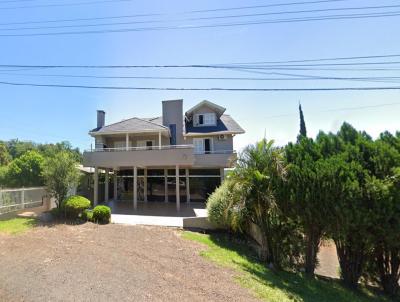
[[344, 186], [60, 175], [25, 171]]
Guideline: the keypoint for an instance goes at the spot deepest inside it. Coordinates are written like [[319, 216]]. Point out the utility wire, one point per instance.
[[196, 19], [225, 25], [274, 64], [289, 77], [63, 4], [204, 89], [193, 11], [338, 109], [155, 14]]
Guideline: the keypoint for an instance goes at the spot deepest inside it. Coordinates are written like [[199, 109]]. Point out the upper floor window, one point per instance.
[[205, 119]]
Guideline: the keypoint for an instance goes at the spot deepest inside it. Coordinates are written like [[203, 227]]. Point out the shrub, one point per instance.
[[88, 215], [101, 214], [74, 206], [221, 207]]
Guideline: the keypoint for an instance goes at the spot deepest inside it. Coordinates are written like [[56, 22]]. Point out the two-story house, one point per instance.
[[177, 157]]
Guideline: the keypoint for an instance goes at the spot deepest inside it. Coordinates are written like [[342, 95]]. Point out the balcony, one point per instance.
[[154, 156], [157, 156], [217, 158]]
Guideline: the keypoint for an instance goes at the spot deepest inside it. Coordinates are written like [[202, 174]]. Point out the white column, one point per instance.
[[159, 140], [107, 183], [222, 174], [96, 186], [135, 187], [166, 184], [115, 185], [178, 197], [145, 184], [127, 141], [187, 185]]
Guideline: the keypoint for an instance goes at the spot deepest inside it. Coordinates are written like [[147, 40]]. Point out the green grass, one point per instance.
[[17, 225], [269, 285]]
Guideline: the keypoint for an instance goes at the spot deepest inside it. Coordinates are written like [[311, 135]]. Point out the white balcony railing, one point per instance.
[[163, 147]]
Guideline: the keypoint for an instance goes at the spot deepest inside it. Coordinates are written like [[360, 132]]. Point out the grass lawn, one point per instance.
[[16, 225], [271, 286]]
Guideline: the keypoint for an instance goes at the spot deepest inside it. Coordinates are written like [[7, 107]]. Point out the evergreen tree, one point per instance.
[[303, 130]]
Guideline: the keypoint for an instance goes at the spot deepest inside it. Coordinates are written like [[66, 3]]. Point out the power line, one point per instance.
[[63, 4], [289, 77], [193, 19], [339, 109], [274, 64], [164, 14], [193, 11], [204, 89], [232, 24]]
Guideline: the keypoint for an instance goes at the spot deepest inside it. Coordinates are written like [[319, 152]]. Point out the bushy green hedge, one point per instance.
[[221, 207], [101, 214], [74, 206]]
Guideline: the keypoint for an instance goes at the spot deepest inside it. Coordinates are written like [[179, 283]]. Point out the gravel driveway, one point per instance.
[[110, 263]]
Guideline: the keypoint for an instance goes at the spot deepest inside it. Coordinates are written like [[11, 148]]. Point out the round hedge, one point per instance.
[[101, 214], [74, 206]]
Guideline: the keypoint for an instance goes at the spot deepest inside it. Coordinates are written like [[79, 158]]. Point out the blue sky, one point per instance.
[[55, 114]]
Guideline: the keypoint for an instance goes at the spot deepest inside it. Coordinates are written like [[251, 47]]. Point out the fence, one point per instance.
[[12, 200]]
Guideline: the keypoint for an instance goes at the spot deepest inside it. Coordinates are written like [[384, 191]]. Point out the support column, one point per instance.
[[222, 174], [127, 141], [166, 184], [135, 187], [106, 185], [159, 140], [145, 185], [96, 186], [115, 185], [178, 197], [187, 185]]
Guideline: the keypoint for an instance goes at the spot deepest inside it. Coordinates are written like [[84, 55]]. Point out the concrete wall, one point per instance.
[[172, 112], [214, 160], [133, 139], [144, 158], [218, 145]]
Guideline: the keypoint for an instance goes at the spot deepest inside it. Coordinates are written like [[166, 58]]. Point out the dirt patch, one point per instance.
[[110, 263], [328, 260]]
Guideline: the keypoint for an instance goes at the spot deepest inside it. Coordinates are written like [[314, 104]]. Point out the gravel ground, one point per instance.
[[110, 263]]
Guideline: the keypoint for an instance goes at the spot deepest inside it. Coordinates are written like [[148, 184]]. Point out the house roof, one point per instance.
[[132, 125], [225, 125], [218, 109]]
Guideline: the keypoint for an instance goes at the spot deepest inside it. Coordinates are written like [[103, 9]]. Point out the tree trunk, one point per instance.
[[388, 262], [313, 239], [351, 260]]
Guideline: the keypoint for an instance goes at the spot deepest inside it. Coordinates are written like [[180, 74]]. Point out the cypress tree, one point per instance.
[[303, 130]]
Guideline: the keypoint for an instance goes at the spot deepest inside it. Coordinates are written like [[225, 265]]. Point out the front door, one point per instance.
[[207, 145]]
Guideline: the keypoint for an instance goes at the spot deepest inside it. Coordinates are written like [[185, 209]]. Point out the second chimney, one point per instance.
[[101, 118]]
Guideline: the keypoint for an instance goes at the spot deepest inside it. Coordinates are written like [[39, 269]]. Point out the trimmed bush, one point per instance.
[[74, 206], [101, 214], [88, 215]]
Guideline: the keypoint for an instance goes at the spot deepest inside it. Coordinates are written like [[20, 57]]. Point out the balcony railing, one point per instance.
[[163, 147]]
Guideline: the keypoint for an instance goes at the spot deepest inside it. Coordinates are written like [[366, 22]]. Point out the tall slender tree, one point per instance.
[[303, 130]]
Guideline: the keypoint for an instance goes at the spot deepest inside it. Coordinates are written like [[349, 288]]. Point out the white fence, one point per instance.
[[12, 200]]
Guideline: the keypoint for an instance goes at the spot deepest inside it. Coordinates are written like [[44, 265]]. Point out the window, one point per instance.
[[206, 119], [172, 129], [202, 145], [146, 143]]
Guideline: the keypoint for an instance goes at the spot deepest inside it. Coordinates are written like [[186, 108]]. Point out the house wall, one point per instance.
[[173, 114], [133, 139], [218, 145]]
